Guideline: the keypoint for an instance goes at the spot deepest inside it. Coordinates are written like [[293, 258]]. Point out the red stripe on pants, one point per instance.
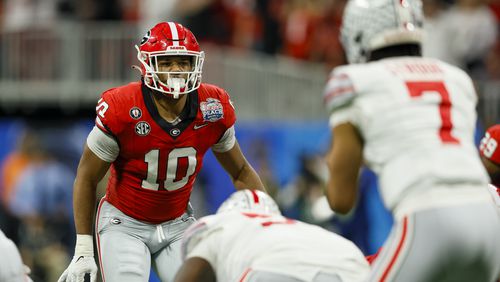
[[398, 250]]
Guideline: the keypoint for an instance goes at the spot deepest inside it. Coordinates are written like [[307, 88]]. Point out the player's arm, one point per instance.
[[240, 170], [344, 157], [99, 152], [229, 154], [91, 170], [344, 160], [195, 269]]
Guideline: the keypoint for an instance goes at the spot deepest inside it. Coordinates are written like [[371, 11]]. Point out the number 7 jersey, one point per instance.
[[155, 162], [417, 119]]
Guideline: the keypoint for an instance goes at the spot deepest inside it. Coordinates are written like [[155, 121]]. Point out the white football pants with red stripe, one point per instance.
[[454, 243]]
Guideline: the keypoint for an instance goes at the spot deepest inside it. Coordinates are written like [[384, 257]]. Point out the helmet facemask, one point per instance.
[[174, 83]]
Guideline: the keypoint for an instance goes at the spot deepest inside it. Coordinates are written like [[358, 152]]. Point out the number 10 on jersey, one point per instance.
[[172, 180]]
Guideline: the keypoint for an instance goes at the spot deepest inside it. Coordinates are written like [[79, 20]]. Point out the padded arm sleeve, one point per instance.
[[103, 145], [226, 142]]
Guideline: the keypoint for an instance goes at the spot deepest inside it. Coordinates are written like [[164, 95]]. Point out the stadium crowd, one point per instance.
[[302, 29]]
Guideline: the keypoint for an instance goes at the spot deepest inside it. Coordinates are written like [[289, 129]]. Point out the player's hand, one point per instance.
[[27, 272], [77, 269]]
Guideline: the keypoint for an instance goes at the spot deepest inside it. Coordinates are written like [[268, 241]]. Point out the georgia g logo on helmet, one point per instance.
[[164, 40], [145, 38]]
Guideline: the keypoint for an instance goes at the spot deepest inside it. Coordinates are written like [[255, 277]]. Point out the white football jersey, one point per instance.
[[12, 268], [417, 118], [236, 242]]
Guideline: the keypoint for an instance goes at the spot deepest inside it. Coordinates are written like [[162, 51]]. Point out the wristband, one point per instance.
[[84, 245]]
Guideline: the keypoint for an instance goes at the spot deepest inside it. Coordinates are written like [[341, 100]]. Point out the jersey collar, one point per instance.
[[187, 115]]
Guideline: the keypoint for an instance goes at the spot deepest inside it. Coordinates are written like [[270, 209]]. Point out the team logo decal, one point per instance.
[[145, 37], [135, 113], [142, 128], [175, 132], [115, 221], [212, 110]]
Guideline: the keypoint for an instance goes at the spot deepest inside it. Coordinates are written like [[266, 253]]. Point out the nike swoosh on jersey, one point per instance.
[[198, 126]]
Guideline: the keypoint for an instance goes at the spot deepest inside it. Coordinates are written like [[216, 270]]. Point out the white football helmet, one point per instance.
[[251, 201], [373, 24]]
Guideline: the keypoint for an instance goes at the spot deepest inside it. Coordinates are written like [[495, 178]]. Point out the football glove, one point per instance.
[[82, 263], [77, 269]]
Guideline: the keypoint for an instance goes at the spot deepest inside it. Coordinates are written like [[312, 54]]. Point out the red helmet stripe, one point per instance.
[[255, 196], [175, 34]]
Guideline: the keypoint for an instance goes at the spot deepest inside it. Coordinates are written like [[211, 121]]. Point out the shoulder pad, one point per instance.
[[210, 90], [114, 105], [212, 93], [107, 115]]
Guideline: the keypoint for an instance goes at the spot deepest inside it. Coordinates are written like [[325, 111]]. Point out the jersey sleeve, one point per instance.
[[200, 240], [229, 115], [226, 142], [107, 117], [338, 97], [103, 145], [339, 91], [227, 137]]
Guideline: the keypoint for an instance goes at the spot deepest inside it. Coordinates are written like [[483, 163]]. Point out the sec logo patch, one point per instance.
[[142, 128]]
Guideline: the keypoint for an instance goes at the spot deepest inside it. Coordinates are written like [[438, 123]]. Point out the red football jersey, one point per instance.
[[152, 177]]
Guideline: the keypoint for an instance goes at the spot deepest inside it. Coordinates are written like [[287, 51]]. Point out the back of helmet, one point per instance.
[[250, 201], [369, 25]]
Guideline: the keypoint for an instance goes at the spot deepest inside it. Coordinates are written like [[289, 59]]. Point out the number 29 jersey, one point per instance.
[[156, 162], [417, 119]]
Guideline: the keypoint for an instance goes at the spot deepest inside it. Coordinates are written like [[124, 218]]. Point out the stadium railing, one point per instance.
[[71, 65]]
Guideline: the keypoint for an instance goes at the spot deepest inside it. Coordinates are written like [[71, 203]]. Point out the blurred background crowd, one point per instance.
[[462, 32], [273, 57]]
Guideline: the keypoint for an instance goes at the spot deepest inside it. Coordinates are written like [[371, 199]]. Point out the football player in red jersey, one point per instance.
[[489, 150], [153, 135]]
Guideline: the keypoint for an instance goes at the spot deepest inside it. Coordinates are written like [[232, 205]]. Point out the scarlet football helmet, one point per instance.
[[250, 201], [489, 144], [170, 39], [369, 25]]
